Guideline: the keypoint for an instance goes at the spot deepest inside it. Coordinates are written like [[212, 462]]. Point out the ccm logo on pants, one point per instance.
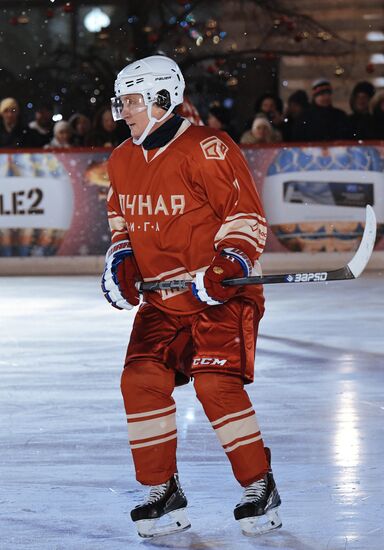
[[209, 361]]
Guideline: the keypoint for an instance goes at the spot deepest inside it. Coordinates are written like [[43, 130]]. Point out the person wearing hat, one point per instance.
[[297, 104], [12, 132], [360, 119], [62, 133], [219, 118], [43, 123], [261, 132], [271, 106], [321, 121]]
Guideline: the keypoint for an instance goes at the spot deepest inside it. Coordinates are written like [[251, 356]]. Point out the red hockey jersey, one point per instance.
[[179, 203]]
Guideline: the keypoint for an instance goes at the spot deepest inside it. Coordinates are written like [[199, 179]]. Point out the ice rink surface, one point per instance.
[[66, 474]]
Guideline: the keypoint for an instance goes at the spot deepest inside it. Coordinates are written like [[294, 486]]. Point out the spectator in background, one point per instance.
[[80, 126], [12, 132], [61, 135], [297, 104], [377, 109], [361, 120], [219, 118], [271, 106], [321, 121], [43, 123], [261, 132], [105, 131]]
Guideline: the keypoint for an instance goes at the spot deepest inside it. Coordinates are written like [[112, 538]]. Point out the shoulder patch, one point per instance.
[[213, 148]]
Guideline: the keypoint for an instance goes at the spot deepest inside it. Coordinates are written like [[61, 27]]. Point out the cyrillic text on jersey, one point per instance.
[[147, 205]]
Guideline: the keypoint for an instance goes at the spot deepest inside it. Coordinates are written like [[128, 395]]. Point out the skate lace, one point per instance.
[[254, 491], [156, 492]]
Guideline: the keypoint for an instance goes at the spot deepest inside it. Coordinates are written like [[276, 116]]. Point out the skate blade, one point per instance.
[[259, 525], [170, 523]]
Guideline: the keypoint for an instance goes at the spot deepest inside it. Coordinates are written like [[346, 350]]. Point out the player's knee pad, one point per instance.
[[141, 378], [217, 387], [204, 385]]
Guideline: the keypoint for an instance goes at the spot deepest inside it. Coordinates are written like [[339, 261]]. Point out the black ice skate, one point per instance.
[[257, 510], [166, 501]]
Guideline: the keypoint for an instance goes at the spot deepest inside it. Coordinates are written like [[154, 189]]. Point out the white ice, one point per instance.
[[67, 480]]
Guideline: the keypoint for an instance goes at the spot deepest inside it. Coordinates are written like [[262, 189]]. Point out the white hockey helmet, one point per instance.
[[158, 79]]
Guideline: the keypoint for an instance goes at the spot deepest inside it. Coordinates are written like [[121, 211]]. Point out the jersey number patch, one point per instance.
[[213, 148]]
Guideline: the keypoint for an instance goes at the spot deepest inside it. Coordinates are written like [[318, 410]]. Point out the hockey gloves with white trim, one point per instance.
[[120, 275], [229, 263]]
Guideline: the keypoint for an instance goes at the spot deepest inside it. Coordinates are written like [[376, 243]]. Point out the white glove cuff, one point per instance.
[[112, 292], [200, 291], [115, 254]]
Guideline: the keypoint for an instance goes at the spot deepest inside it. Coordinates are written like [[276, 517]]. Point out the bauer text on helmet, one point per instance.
[[158, 80]]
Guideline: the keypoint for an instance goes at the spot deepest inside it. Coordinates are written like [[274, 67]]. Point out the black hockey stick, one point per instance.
[[352, 270]]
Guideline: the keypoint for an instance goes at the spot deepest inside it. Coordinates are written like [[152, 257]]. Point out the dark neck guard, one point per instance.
[[164, 134]]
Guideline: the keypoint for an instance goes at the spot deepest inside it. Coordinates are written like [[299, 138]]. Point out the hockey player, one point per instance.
[[182, 204]]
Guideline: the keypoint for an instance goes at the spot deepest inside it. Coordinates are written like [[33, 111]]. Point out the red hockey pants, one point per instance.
[[213, 344]]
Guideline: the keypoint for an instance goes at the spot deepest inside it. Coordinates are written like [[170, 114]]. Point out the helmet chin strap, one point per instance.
[[151, 123]]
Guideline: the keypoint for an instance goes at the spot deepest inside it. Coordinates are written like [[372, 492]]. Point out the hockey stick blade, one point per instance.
[[363, 253], [352, 270]]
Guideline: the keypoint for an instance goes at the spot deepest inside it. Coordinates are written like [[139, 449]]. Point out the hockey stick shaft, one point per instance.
[[303, 277], [351, 271]]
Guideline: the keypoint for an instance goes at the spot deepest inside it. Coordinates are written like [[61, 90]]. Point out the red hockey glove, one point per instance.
[[120, 276], [229, 263]]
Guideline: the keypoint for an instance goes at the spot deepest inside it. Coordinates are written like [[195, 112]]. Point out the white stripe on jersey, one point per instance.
[[246, 215], [160, 276], [238, 236], [117, 223], [246, 227], [178, 273]]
